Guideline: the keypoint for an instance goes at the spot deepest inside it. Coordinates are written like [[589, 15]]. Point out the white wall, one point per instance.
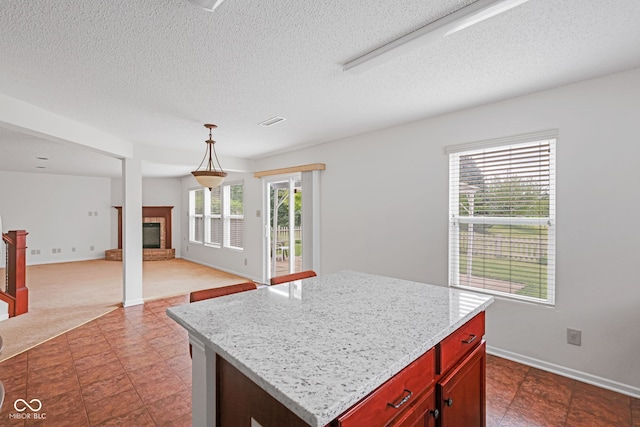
[[230, 260], [155, 192], [54, 209], [384, 210]]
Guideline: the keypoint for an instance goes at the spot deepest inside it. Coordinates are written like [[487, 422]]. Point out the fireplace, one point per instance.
[[156, 235], [151, 235]]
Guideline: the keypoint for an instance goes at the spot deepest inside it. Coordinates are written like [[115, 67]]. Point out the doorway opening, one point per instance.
[[283, 217]]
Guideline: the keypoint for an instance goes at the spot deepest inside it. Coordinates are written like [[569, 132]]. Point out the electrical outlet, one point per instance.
[[574, 336], [90, 213], [245, 261], [91, 248], [73, 249]]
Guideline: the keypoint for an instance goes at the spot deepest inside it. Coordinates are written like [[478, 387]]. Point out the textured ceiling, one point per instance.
[[153, 71]]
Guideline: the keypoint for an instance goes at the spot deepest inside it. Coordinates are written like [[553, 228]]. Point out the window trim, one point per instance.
[[455, 219], [225, 216], [192, 215], [508, 140]]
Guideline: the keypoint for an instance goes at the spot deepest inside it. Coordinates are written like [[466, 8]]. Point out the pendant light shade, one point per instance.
[[210, 177]]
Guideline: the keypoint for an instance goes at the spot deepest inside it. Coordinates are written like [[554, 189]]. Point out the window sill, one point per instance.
[[505, 297]]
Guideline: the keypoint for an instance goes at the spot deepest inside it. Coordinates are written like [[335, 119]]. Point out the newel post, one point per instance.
[[17, 270]]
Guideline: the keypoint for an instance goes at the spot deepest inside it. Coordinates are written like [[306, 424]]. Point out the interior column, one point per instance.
[[132, 232]]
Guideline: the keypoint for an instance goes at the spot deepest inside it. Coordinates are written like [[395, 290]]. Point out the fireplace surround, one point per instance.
[[150, 215]]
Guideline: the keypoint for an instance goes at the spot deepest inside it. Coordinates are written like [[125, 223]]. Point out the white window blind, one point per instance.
[[196, 215], [213, 232], [502, 219], [233, 217]]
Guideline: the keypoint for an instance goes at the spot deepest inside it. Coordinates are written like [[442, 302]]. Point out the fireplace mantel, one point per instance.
[[151, 212], [161, 214]]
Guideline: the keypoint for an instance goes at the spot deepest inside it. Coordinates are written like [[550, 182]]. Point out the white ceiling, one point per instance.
[[153, 71]]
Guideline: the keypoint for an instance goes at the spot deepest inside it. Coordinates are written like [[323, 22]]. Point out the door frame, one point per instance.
[[310, 183], [266, 223]]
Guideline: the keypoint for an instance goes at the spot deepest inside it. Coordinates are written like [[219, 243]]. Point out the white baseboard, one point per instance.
[[255, 279], [60, 261], [132, 302], [567, 372]]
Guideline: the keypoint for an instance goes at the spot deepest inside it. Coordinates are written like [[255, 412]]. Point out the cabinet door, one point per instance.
[[461, 393], [422, 413]]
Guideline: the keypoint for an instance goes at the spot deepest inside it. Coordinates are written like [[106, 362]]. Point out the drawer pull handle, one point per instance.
[[435, 414], [469, 340], [402, 400], [449, 401]]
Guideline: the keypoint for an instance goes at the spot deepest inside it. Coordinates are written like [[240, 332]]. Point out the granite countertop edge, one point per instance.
[[323, 419]]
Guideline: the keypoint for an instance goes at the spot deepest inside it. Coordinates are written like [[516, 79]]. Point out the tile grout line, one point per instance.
[[524, 377], [573, 389], [75, 372], [144, 405]]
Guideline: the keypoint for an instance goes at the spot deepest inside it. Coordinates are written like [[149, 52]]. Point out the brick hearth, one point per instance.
[[159, 214], [147, 254]]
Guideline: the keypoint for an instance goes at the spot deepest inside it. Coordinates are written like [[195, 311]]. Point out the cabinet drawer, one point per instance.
[[453, 348], [402, 390], [421, 413]]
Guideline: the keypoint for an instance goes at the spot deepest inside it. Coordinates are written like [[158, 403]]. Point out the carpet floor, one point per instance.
[[66, 295]]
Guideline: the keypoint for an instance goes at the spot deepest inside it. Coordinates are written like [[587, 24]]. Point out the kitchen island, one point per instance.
[[316, 348]]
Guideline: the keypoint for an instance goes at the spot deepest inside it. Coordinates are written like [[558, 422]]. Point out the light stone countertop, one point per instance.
[[320, 345]]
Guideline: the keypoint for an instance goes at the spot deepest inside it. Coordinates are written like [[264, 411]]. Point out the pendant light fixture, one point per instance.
[[210, 177]]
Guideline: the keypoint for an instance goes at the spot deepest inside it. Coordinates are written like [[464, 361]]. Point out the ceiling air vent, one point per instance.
[[272, 121]]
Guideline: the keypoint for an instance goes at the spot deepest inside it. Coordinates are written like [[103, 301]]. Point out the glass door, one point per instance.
[[283, 225]]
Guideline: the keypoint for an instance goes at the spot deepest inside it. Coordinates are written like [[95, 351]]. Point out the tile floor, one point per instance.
[[131, 367], [518, 395]]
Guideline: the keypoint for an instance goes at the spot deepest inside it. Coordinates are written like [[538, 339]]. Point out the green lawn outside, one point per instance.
[[519, 230], [532, 275]]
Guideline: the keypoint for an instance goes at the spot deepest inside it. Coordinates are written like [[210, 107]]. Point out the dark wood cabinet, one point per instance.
[[394, 397], [461, 392], [422, 413], [239, 400], [455, 397], [460, 343], [445, 387]]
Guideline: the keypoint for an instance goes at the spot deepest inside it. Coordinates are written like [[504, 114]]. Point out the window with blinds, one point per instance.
[[196, 215], [502, 217], [213, 231], [216, 217], [234, 216]]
